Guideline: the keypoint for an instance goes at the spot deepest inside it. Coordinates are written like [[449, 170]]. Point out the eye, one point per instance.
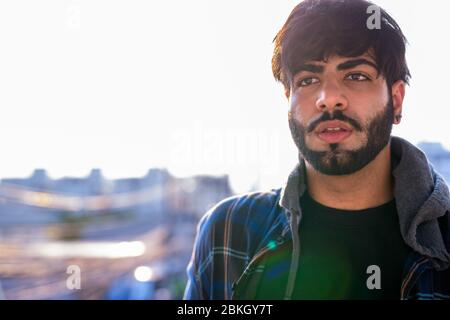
[[307, 81], [357, 77]]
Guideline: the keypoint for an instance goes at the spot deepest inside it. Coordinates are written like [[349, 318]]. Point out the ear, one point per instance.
[[398, 94], [287, 93]]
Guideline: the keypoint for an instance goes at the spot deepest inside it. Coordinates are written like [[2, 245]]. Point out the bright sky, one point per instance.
[[128, 85]]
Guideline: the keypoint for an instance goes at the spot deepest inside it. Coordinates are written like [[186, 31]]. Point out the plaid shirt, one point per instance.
[[235, 236]]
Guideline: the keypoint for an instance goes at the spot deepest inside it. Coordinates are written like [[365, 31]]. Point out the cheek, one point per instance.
[[300, 109], [369, 111], [370, 102]]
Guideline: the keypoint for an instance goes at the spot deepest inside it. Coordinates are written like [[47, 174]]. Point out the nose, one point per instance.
[[330, 98]]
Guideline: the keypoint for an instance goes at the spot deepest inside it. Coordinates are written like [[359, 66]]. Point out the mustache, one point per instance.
[[336, 115]]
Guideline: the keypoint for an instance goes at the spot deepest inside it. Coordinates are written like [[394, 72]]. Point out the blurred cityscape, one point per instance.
[[121, 239], [129, 238]]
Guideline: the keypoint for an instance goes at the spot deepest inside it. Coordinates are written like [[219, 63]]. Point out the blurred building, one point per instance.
[[193, 196], [121, 205]]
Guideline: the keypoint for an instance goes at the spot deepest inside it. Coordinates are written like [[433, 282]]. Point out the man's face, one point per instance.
[[341, 113]]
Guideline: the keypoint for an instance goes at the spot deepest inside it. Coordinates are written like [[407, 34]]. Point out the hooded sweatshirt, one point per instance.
[[235, 236]]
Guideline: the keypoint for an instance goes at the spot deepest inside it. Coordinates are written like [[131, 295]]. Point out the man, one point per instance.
[[363, 215]]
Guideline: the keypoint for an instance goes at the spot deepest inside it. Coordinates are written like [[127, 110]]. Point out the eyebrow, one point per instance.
[[349, 64], [355, 62]]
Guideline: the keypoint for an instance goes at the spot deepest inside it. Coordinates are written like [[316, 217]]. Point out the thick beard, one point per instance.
[[343, 162]]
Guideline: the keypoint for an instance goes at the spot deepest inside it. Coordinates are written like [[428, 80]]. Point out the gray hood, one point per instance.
[[421, 196]]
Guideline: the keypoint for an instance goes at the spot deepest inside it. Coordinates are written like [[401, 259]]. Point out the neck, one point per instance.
[[369, 187]]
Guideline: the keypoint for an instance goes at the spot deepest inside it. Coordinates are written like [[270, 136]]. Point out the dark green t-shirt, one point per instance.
[[344, 254]]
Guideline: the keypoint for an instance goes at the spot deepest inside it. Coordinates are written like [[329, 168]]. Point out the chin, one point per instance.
[[321, 146]]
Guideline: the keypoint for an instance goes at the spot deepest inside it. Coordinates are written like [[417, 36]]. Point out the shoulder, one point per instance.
[[228, 235], [241, 209], [241, 221]]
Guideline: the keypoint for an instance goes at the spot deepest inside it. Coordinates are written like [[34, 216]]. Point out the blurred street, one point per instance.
[[26, 273]]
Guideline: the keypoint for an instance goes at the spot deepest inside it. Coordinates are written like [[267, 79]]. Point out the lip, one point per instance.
[[330, 136], [332, 124], [334, 137]]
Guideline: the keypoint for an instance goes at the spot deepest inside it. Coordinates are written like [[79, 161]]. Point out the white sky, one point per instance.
[[129, 85]]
